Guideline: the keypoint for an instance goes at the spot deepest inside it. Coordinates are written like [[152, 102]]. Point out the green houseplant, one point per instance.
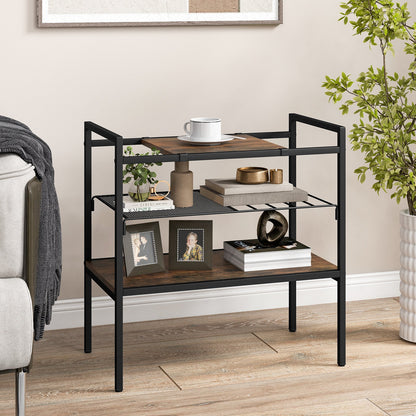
[[141, 175], [386, 129]]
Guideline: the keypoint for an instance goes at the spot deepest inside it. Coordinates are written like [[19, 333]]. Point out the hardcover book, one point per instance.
[[267, 265], [250, 251], [296, 195], [232, 187], [150, 205], [148, 208]]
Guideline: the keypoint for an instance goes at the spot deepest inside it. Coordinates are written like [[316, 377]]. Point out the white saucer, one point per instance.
[[224, 138]]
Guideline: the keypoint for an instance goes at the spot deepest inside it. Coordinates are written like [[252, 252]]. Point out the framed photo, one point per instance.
[[142, 246], [190, 245], [73, 13]]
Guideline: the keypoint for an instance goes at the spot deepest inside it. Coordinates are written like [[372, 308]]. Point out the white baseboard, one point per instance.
[[69, 313]]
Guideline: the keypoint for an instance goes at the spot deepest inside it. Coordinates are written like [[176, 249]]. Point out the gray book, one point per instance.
[[232, 187], [295, 195]]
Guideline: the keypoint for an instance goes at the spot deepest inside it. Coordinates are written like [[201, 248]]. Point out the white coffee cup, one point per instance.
[[203, 129]]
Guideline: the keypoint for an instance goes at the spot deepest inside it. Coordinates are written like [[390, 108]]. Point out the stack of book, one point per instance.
[[150, 205], [248, 255], [228, 192]]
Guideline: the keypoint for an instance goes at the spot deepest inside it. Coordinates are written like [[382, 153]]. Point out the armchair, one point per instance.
[[19, 231]]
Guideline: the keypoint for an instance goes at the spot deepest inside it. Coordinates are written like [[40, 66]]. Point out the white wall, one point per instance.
[[148, 81]]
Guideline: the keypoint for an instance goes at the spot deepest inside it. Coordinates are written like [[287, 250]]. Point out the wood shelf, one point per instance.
[[173, 146], [103, 271]]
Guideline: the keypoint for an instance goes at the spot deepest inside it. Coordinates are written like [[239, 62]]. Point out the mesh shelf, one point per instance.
[[204, 206]]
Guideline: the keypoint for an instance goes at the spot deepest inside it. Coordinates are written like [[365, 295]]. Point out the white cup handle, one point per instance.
[[185, 127]]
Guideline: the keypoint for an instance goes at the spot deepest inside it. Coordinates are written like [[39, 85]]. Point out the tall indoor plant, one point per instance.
[[386, 130]]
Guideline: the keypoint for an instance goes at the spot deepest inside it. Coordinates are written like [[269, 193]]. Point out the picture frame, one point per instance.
[[190, 245], [79, 13], [143, 252]]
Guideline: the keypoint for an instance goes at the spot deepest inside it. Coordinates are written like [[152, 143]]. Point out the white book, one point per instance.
[[149, 208], [250, 251], [129, 203], [232, 187], [267, 265]]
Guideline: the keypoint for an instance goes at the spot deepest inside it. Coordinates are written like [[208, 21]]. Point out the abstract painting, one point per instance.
[[61, 13]]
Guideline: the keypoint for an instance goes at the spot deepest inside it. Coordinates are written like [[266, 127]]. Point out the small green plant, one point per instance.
[[140, 173], [384, 101]]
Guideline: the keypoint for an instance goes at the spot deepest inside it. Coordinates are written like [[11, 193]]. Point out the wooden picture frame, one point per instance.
[[190, 245], [79, 13], [143, 252]]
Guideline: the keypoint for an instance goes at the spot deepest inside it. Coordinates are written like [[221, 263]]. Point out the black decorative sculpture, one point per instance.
[[276, 234]]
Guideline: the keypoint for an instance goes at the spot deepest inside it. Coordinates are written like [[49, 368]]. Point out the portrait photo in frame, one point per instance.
[[143, 252], [190, 245]]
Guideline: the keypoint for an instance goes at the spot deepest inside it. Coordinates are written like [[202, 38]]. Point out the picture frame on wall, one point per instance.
[[190, 245], [74, 13], [143, 252]]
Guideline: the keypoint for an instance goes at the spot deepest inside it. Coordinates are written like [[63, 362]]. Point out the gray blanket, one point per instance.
[[16, 137]]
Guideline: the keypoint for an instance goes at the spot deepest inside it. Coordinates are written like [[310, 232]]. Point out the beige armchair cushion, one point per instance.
[[14, 175], [16, 324]]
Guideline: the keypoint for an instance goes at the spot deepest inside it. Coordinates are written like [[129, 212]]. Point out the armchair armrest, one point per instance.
[[32, 212]]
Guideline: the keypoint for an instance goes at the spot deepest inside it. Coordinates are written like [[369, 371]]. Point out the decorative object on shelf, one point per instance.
[[154, 196], [190, 245], [296, 195], [203, 129], [252, 175], [232, 187], [139, 193], [75, 13], [385, 103], [182, 185], [250, 255], [276, 176], [278, 231], [142, 246], [142, 176]]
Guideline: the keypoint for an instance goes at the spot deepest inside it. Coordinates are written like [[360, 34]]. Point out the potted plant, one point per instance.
[[386, 130], [142, 176]]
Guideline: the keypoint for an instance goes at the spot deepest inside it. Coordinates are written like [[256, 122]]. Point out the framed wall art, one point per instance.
[[61, 13], [190, 245], [142, 246]]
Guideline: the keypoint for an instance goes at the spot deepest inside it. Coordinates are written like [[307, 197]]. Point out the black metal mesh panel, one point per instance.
[[204, 206]]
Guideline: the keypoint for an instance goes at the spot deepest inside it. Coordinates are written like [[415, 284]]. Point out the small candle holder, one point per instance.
[[252, 175], [276, 175], [154, 196]]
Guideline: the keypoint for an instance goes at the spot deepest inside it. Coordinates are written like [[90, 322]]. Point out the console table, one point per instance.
[[109, 273]]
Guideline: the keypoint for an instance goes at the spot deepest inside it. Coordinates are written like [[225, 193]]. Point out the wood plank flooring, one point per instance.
[[229, 365]]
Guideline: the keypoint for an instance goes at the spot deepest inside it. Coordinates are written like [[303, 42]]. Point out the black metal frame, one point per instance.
[[115, 202]]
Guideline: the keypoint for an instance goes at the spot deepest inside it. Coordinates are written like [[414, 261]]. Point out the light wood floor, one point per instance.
[[236, 364]]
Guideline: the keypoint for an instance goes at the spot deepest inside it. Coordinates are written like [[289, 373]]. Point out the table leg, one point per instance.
[[87, 312], [292, 306], [118, 334], [341, 321]]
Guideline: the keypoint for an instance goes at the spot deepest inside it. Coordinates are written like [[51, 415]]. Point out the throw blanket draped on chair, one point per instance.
[[16, 137]]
